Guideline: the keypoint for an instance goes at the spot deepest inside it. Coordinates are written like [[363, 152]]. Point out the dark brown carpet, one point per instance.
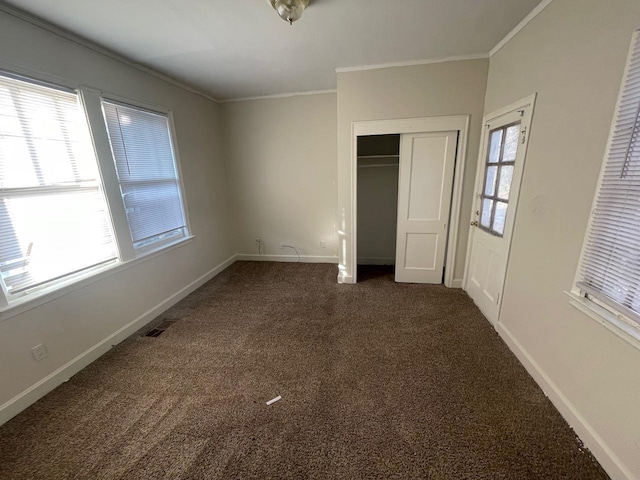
[[378, 380]]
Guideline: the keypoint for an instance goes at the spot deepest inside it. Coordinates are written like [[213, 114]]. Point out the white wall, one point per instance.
[[448, 88], [73, 324], [573, 54], [282, 174]]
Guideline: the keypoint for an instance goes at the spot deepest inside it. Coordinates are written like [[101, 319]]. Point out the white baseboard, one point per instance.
[[286, 258], [344, 278], [456, 283], [32, 394], [603, 453], [377, 261]]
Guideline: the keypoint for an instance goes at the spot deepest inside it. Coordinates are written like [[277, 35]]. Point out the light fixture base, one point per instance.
[[289, 10]]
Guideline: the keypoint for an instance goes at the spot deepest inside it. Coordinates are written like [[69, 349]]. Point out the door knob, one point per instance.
[[474, 223]]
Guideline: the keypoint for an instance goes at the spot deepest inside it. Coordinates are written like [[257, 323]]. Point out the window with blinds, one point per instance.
[[610, 267], [146, 168], [54, 221]]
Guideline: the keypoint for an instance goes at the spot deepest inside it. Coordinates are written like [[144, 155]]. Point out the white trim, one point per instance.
[[459, 123], [525, 21], [345, 279], [412, 63], [247, 257], [457, 283], [615, 323], [279, 95], [38, 390], [612, 464], [61, 32]]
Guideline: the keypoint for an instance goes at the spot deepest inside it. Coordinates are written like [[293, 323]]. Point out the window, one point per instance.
[[609, 271], [54, 220], [68, 210], [501, 157], [145, 164]]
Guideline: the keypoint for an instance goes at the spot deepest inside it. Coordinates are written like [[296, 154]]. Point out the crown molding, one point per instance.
[[61, 32], [411, 63], [279, 95], [525, 21]]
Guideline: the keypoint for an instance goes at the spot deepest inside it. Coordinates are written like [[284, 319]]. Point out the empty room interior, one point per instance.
[[320, 239]]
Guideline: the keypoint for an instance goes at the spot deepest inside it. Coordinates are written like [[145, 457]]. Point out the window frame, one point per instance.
[[499, 164], [168, 113], [617, 318], [89, 99]]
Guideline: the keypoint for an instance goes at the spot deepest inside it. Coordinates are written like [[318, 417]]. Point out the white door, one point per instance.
[[427, 163], [497, 187]]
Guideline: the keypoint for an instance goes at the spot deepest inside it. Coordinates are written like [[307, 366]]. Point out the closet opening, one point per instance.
[[378, 159]]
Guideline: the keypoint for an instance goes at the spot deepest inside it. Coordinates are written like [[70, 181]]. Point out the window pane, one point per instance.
[[56, 234], [511, 143], [495, 145], [44, 139], [54, 221], [500, 218], [506, 176], [152, 209], [143, 153], [485, 217], [490, 183]]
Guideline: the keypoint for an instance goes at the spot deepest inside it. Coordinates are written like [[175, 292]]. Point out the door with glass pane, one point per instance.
[[497, 187]]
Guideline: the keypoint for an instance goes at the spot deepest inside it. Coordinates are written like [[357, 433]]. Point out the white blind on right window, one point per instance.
[[610, 270], [143, 153]]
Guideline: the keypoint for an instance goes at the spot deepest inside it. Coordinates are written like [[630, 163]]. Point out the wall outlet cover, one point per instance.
[[39, 352]]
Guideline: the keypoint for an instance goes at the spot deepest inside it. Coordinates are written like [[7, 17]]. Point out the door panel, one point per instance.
[[496, 195], [427, 164], [417, 243]]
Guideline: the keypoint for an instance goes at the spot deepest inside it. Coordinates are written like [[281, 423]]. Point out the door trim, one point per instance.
[[529, 101], [459, 123]]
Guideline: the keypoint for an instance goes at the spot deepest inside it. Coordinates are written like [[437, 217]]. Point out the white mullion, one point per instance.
[[93, 109], [4, 295]]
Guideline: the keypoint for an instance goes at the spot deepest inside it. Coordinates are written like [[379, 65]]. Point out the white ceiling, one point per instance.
[[241, 48]]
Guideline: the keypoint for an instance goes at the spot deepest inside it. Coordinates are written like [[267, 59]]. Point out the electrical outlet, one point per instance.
[[39, 352], [323, 244]]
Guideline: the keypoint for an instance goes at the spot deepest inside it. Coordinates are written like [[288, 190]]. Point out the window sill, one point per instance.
[[46, 295], [613, 322]]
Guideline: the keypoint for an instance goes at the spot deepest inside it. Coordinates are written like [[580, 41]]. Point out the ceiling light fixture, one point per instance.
[[289, 10]]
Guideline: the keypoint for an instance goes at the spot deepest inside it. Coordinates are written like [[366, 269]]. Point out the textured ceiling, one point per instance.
[[241, 48]]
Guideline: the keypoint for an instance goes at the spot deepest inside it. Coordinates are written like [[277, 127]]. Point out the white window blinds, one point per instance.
[[143, 153], [54, 220], [610, 269]]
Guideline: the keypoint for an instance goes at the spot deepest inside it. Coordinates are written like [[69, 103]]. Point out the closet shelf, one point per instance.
[[378, 156]]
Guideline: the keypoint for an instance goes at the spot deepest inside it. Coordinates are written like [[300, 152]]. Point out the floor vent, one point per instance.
[[156, 332], [159, 330]]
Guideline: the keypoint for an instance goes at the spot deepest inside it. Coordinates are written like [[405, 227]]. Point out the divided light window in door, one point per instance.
[[501, 157]]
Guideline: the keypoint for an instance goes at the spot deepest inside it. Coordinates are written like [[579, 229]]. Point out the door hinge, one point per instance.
[[524, 135]]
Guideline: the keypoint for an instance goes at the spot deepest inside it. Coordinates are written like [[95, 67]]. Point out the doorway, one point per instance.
[[500, 169], [378, 170], [431, 156]]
